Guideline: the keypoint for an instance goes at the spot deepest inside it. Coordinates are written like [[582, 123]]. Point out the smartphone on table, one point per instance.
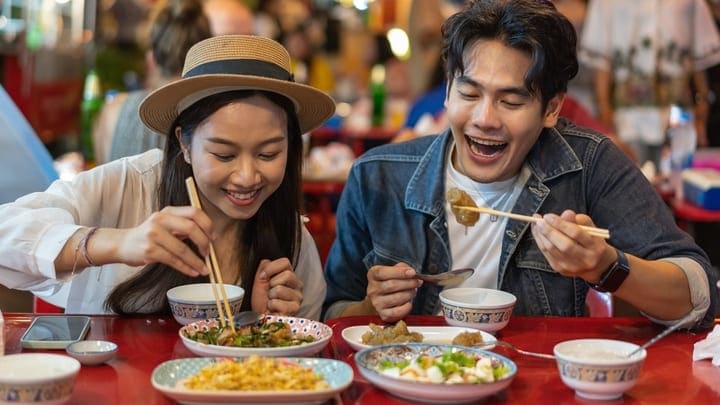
[[55, 332]]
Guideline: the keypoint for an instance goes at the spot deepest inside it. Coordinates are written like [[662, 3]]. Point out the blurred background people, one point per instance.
[[648, 55], [175, 26], [713, 76], [229, 17]]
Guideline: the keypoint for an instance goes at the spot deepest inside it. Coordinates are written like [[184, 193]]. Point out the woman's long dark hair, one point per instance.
[[272, 233]]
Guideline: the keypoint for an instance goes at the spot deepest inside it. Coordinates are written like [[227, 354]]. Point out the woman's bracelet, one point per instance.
[[82, 248]]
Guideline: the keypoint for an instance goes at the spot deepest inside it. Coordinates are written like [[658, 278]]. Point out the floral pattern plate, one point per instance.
[[321, 332], [368, 362], [167, 378]]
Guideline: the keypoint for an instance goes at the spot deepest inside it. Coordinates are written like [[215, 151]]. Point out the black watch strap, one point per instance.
[[614, 276]]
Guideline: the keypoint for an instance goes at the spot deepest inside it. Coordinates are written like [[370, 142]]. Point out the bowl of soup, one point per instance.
[[599, 369]]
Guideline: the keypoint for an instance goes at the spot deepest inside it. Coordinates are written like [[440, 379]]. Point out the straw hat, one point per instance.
[[234, 62]]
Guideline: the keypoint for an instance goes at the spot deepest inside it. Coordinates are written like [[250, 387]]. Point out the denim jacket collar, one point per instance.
[[427, 185]]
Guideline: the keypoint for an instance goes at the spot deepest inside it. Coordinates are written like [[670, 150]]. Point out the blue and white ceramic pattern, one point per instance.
[[368, 360], [480, 308], [320, 331], [37, 378], [194, 302], [598, 368], [168, 376]]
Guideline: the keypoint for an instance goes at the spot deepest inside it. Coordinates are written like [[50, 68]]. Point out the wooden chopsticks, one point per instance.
[[216, 281], [599, 232]]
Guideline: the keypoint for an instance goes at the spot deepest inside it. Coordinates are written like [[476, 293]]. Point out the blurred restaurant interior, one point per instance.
[[375, 57]]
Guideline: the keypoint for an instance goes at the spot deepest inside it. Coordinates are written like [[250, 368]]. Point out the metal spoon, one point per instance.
[[448, 278], [247, 318], [662, 334], [513, 347]]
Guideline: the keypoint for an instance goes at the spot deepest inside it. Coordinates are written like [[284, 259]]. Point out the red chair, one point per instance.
[[599, 304], [41, 306]]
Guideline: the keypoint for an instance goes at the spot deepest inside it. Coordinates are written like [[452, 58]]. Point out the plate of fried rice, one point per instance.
[[254, 379], [274, 336]]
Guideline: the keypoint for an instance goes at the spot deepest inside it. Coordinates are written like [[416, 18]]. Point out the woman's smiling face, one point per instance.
[[495, 120], [239, 155]]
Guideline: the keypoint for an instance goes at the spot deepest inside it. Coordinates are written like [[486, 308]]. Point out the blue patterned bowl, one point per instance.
[[37, 378], [480, 308], [195, 302], [598, 368]]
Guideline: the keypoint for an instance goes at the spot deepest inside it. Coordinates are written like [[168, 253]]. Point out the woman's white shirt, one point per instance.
[[120, 194]]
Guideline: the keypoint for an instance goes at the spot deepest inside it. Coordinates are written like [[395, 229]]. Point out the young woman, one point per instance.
[[119, 236]]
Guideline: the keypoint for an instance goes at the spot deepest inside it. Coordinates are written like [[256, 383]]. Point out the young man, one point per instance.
[[508, 65]]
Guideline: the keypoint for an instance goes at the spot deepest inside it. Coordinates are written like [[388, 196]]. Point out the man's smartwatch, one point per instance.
[[614, 276]]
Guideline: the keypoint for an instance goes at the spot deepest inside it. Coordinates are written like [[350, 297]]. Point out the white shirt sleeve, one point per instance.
[[309, 270], [35, 228]]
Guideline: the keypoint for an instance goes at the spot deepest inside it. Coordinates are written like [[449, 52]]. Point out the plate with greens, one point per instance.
[[436, 373], [274, 336]]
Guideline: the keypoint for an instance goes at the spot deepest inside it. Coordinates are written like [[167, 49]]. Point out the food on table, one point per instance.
[[457, 197], [467, 339], [255, 374], [398, 333], [448, 368], [266, 334]]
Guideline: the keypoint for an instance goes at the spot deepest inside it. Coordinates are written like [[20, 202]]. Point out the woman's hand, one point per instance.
[[276, 288], [160, 239], [569, 249], [391, 290]]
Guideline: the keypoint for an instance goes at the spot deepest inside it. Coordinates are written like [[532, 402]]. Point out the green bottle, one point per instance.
[[91, 104], [377, 94]]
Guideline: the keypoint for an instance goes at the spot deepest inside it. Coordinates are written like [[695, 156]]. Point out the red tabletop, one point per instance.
[[669, 375]]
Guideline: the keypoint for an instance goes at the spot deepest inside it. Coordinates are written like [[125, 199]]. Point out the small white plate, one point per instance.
[[431, 334], [321, 332]]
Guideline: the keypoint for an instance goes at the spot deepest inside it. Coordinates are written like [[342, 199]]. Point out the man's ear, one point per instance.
[[552, 111], [185, 150]]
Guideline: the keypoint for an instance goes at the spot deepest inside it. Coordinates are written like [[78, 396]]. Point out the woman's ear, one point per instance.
[[185, 150]]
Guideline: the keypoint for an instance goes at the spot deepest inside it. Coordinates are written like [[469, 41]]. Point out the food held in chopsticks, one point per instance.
[[598, 232], [459, 198], [267, 334], [255, 374]]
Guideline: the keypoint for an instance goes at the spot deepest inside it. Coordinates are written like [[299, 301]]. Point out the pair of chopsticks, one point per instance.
[[216, 281], [599, 232]]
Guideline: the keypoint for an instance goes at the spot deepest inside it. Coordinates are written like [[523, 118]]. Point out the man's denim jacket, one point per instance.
[[392, 210]]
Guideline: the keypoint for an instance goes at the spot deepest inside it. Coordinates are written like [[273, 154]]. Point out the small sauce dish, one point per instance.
[[92, 352]]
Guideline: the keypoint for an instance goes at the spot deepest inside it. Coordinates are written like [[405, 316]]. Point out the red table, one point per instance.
[[668, 376]]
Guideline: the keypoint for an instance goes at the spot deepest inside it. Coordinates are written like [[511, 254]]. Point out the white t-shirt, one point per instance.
[[479, 246], [120, 194]]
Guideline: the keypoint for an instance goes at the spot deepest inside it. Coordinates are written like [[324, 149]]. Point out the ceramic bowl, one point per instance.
[[37, 378], [480, 308], [195, 302], [92, 352], [598, 369]]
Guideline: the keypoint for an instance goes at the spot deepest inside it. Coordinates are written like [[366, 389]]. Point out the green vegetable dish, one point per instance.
[[448, 368], [267, 334]]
